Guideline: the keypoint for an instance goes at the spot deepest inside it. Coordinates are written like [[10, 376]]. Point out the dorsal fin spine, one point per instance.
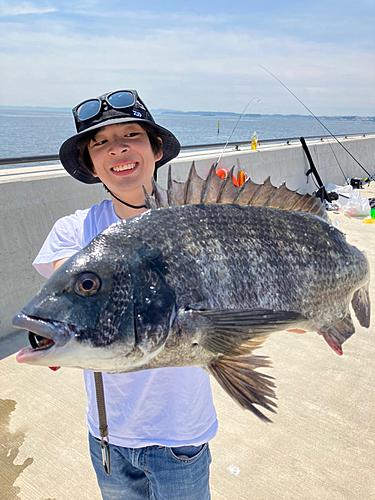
[[209, 181]]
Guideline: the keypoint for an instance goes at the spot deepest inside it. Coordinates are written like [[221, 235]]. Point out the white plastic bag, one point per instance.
[[350, 201]]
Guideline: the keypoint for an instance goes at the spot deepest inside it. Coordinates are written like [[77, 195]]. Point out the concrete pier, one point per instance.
[[321, 444]]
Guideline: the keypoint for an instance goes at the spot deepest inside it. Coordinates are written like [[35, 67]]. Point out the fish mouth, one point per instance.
[[44, 336], [55, 344]]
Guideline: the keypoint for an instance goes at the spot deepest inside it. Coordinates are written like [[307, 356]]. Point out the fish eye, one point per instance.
[[87, 284]]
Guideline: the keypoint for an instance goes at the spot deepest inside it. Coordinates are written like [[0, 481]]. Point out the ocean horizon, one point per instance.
[[27, 131], [165, 111]]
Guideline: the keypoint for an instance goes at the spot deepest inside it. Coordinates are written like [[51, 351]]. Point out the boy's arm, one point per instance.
[[58, 263]]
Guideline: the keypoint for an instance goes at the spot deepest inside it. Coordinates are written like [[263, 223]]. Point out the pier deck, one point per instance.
[[321, 444]]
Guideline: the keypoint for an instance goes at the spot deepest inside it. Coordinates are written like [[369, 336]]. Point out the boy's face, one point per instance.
[[123, 158]]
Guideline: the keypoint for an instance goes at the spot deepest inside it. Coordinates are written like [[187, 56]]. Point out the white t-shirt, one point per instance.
[[167, 406]]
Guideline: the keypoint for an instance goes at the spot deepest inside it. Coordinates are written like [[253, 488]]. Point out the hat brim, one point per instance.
[[69, 155]]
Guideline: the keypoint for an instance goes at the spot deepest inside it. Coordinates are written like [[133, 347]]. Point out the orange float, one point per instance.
[[241, 177], [223, 174]]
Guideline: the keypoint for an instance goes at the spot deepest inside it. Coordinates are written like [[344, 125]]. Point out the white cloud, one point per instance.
[[185, 66], [13, 9], [155, 16]]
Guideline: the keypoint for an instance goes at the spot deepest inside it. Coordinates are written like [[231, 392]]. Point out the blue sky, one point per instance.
[[193, 55]]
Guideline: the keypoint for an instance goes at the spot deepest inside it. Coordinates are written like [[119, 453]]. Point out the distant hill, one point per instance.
[[163, 111], [34, 108], [254, 115]]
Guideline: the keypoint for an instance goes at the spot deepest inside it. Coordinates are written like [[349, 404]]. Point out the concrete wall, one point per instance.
[[289, 163], [32, 199]]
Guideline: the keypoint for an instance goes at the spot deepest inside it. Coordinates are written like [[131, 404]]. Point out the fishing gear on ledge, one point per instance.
[[322, 192]]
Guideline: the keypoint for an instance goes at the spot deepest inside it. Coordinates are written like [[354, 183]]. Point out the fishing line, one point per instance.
[[241, 115], [322, 124], [299, 100]]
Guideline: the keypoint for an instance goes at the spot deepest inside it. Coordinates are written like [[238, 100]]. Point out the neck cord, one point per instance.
[[124, 202], [136, 207]]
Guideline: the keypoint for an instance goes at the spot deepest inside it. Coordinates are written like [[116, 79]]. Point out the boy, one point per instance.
[[160, 421]]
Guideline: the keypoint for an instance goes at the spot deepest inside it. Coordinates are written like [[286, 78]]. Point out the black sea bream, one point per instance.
[[201, 283]]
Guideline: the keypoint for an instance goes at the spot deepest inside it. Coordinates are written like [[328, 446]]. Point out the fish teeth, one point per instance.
[[121, 168], [45, 344]]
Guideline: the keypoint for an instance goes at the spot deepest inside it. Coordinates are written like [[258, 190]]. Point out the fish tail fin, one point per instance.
[[337, 335], [361, 305], [237, 376]]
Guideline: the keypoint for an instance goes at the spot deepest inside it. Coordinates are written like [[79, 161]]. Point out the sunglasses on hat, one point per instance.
[[120, 99]]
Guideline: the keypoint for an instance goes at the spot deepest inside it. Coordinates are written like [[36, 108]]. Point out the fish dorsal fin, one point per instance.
[[228, 192], [176, 190], [213, 189], [193, 187]]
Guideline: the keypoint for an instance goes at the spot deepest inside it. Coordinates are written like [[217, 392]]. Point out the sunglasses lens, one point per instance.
[[88, 109], [120, 100]]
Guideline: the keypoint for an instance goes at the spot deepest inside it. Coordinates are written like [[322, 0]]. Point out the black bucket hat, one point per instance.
[[121, 106]]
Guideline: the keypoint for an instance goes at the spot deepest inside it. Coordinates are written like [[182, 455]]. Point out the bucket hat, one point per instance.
[[121, 106]]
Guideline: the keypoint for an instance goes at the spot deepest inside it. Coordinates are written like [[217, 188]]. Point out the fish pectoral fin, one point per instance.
[[361, 305], [237, 376], [224, 331], [337, 335]]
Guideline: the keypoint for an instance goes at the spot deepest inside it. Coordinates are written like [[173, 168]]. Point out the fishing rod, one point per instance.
[[241, 115], [322, 124]]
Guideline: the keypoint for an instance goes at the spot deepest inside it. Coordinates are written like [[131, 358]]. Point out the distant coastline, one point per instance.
[[162, 111], [256, 115]]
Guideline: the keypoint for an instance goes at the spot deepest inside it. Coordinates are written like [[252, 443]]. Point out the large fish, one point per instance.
[[201, 281]]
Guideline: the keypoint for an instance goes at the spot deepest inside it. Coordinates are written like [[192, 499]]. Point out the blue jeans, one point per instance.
[[153, 472]]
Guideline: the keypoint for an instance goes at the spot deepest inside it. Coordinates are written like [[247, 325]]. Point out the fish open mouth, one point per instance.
[[44, 336], [54, 344], [38, 342]]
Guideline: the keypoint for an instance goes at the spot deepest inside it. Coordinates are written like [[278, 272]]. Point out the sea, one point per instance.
[[31, 132]]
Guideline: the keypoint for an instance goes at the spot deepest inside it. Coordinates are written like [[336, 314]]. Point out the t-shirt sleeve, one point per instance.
[[64, 240]]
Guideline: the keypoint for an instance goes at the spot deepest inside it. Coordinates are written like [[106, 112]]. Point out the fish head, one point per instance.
[[100, 311]]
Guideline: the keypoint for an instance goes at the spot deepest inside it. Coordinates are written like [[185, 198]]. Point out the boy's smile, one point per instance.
[[124, 167]]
